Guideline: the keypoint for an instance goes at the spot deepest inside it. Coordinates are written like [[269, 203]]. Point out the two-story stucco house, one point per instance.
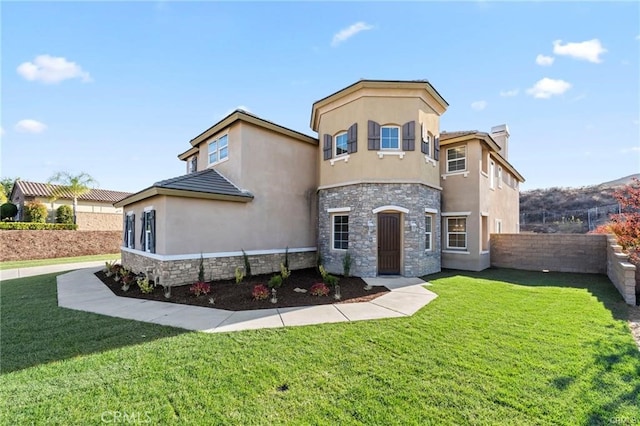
[[380, 182]]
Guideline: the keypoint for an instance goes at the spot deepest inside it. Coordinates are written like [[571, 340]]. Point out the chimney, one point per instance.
[[500, 134]]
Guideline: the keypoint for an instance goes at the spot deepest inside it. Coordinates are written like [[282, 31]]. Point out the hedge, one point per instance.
[[35, 226]]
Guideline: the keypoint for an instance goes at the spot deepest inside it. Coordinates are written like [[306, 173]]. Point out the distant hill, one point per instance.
[[564, 205]]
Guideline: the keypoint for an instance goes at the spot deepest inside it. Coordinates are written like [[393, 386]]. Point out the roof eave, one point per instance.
[[154, 191]]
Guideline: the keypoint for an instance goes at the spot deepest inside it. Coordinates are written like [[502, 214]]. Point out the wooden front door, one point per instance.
[[389, 243]]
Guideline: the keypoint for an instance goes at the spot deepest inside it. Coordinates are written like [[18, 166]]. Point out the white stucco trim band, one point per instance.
[[380, 181], [456, 213], [195, 256], [394, 208], [339, 210], [455, 252]]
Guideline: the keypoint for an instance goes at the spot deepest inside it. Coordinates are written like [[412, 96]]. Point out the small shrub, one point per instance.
[[284, 272], [260, 292], [35, 212], [239, 275], [144, 284], [319, 261], [8, 211], [319, 289], [200, 288], [323, 272], [201, 269], [346, 264], [109, 268], [31, 226], [331, 280], [247, 265], [275, 281], [64, 214]]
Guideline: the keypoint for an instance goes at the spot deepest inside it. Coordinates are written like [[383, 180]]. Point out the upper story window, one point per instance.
[[389, 137], [492, 171], [193, 164], [342, 144], [219, 149], [457, 159], [427, 137]]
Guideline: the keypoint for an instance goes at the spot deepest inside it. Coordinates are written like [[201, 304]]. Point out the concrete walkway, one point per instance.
[[82, 290], [10, 274]]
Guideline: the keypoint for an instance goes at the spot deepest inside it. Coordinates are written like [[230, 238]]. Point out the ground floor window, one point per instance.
[[341, 232], [457, 232], [428, 233], [148, 233]]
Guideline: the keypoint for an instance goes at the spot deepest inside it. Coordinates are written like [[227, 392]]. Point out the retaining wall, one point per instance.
[[582, 253], [31, 245], [620, 271]]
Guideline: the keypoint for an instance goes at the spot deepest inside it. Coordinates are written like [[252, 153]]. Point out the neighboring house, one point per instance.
[[95, 208], [374, 184]]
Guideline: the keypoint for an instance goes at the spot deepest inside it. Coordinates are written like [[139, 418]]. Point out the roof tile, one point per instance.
[[38, 189]]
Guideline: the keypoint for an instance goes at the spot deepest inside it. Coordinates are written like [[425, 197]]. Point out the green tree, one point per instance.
[[35, 212], [64, 214], [8, 211], [73, 186], [6, 184]]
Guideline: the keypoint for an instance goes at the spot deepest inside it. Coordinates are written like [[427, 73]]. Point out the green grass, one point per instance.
[[57, 261], [497, 347]]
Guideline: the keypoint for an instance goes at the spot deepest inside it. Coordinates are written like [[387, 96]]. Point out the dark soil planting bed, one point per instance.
[[238, 297]]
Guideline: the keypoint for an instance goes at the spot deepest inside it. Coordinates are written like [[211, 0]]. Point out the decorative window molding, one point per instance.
[[148, 208], [428, 160], [400, 154], [446, 214], [344, 157], [339, 210], [444, 176], [340, 232], [484, 213], [456, 252], [430, 210], [390, 207]]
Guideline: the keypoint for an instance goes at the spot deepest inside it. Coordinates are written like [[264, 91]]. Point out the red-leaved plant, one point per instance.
[[200, 288], [319, 289], [260, 292], [626, 225]]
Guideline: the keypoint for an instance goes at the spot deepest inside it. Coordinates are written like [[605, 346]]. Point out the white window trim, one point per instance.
[[400, 154], [447, 214], [464, 174], [333, 231], [391, 126], [466, 233], [466, 165], [499, 176], [456, 252], [430, 210], [428, 159], [339, 210], [432, 216], [148, 209], [390, 207], [209, 142], [335, 145], [343, 157], [492, 174]]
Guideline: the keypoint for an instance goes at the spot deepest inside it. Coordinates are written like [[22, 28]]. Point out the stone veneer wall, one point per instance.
[[584, 253], [363, 246], [621, 272], [182, 272]]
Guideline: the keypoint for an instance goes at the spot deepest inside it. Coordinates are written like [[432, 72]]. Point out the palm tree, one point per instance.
[[71, 186]]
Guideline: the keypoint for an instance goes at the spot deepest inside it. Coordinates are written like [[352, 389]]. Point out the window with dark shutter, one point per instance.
[[142, 234], [352, 141], [373, 136], [328, 141], [436, 148], [152, 227], [132, 231], [409, 136], [426, 140]]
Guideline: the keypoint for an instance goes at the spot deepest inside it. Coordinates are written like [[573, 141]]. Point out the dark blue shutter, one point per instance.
[[409, 136], [152, 240], [352, 139], [373, 135], [436, 148], [133, 231], [125, 241], [142, 222], [328, 148]]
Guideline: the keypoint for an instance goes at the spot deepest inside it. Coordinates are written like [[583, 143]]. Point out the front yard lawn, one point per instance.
[[496, 347]]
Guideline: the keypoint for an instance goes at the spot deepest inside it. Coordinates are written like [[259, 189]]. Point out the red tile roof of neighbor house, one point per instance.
[[37, 189]]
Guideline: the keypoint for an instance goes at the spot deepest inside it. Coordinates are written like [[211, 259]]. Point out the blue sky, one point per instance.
[[117, 89]]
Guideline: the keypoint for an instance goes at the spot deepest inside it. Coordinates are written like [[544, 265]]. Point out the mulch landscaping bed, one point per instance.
[[237, 297]]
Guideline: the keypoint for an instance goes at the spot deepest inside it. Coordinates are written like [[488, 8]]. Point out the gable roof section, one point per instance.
[[243, 116], [206, 184], [375, 84], [447, 138], [38, 189]]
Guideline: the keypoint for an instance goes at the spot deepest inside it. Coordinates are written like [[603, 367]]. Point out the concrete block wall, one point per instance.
[[620, 271], [183, 272], [582, 253], [30, 245], [88, 221]]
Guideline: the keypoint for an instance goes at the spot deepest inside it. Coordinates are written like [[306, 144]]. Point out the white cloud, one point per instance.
[[544, 61], [52, 69], [30, 126], [509, 93], [586, 50], [479, 105], [548, 87], [346, 33]]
